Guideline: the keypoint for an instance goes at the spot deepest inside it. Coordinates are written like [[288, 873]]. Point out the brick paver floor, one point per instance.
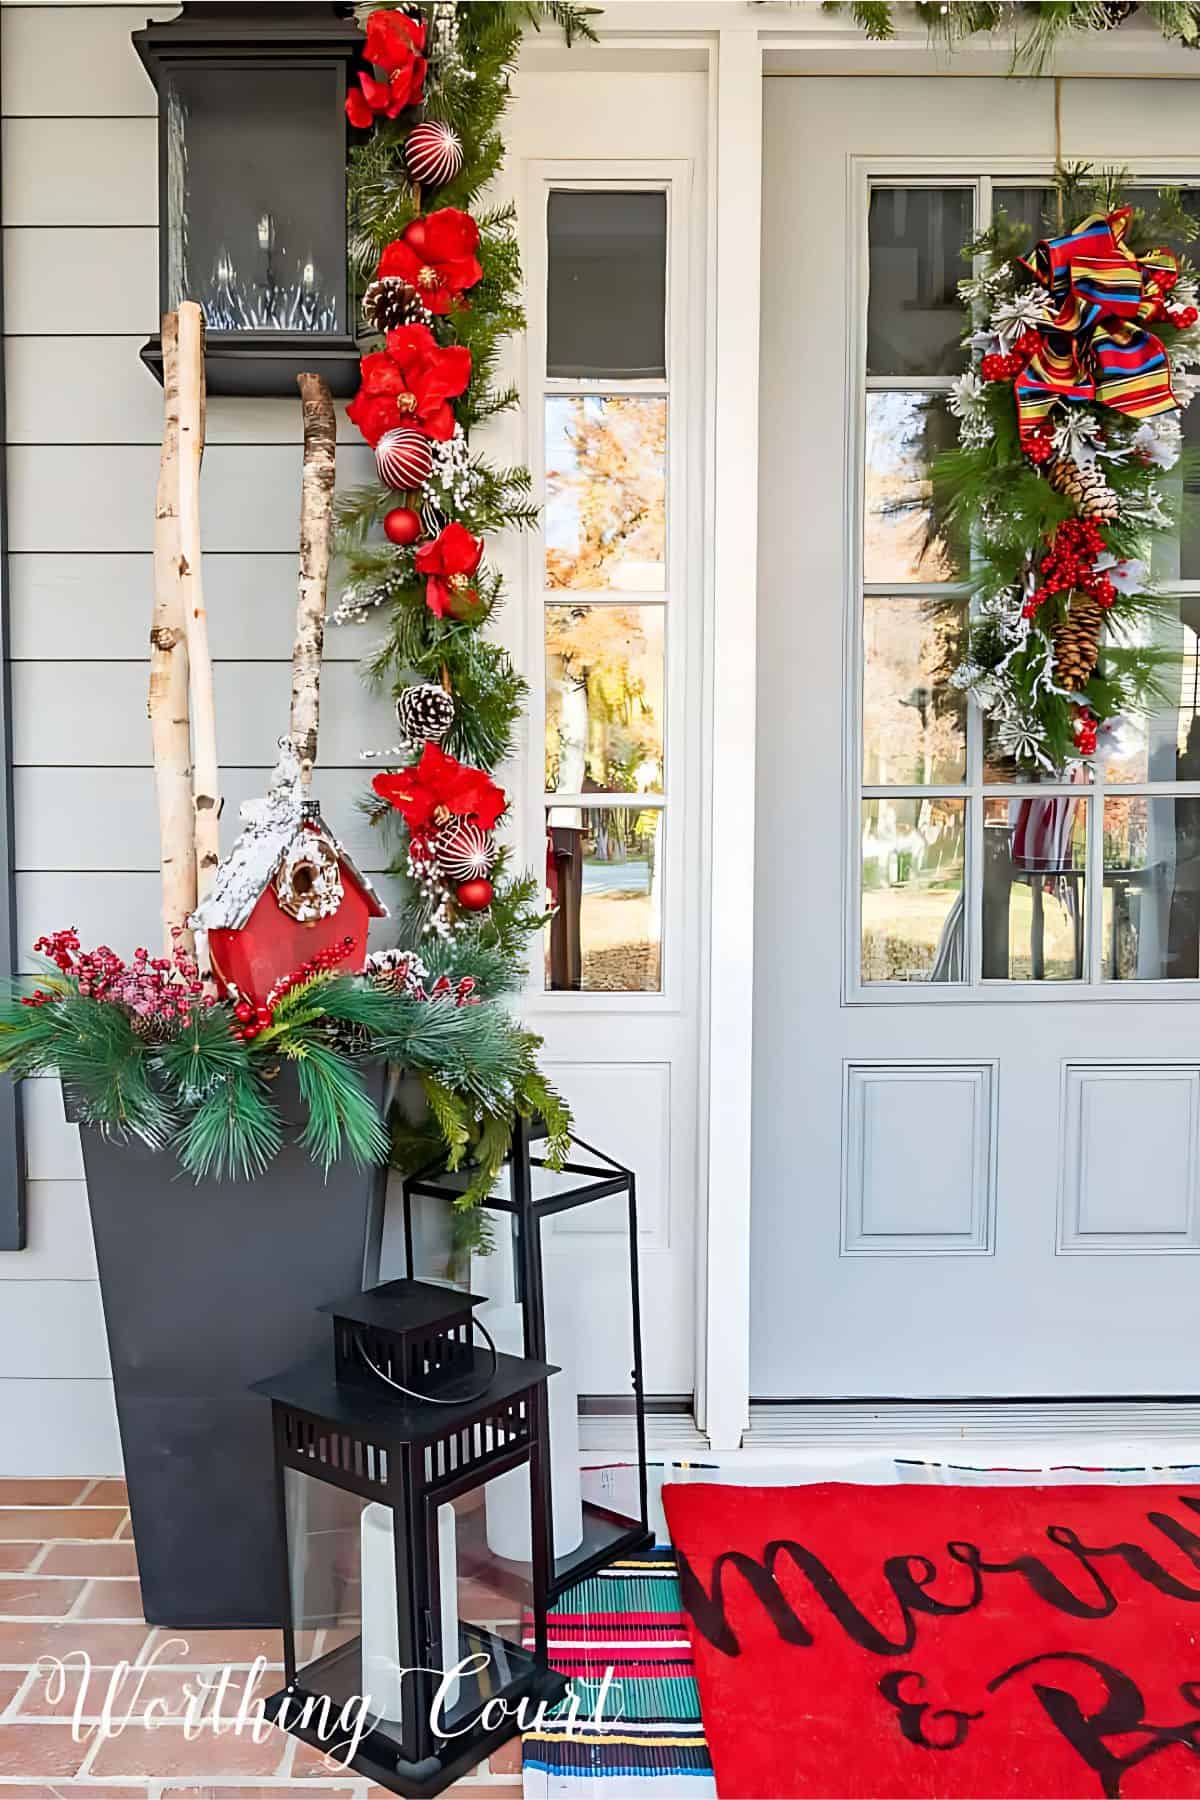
[[68, 1584]]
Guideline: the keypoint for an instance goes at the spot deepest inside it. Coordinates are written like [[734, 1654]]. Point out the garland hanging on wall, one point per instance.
[[441, 289], [1036, 27], [1068, 427]]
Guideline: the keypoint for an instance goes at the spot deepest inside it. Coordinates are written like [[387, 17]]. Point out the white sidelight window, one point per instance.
[[608, 417], [964, 874]]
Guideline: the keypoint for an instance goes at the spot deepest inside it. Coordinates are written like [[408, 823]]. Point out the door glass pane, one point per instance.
[[1034, 207], [905, 432], [606, 289], [604, 699], [1164, 744], [1034, 915], [914, 722], [914, 320], [913, 925], [1151, 888], [604, 873], [606, 487]]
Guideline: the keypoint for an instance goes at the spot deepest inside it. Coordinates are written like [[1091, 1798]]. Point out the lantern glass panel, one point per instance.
[[256, 222], [588, 1309], [482, 1571], [325, 1534]]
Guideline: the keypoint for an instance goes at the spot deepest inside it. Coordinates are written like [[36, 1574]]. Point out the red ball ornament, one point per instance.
[[402, 525], [475, 895], [403, 458], [434, 154]]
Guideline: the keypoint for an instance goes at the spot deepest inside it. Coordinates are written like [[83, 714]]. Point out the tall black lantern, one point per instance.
[[387, 1447], [252, 188], [562, 1280]]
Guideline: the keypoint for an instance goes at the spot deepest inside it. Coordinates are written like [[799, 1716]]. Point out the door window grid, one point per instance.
[[1094, 923], [606, 800]]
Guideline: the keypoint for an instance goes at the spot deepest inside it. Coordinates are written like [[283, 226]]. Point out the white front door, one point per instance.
[[977, 1073]]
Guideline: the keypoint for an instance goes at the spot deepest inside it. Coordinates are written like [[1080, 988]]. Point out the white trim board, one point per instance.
[[1091, 1431]]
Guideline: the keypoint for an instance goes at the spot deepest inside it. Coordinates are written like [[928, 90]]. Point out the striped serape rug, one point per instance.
[[627, 1619]]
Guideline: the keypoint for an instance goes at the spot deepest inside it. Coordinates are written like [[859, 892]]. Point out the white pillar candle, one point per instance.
[[507, 1497], [382, 1674]]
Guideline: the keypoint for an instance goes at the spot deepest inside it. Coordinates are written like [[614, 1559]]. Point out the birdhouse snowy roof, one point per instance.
[[270, 829]]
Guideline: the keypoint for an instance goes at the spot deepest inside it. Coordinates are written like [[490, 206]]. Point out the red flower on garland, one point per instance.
[[394, 44], [438, 789], [436, 257], [450, 562], [410, 384]]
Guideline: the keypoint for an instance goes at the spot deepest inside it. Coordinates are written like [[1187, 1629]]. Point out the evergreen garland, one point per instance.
[[1037, 27], [1061, 514]]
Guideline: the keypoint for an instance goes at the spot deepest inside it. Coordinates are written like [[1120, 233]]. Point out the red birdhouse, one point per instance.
[[286, 890]]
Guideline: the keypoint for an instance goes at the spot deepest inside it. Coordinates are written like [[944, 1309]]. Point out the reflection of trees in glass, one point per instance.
[[605, 492], [604, 687], [914, 723], [905, 433]]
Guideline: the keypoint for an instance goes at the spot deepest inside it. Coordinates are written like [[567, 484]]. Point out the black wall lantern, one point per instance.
[[252, 188], [558, 1235], [386, 1447]]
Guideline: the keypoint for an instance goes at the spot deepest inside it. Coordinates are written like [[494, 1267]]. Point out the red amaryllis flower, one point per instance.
[[436, 257], [438, 789], [449, 562], [410, 384], [394, 43]]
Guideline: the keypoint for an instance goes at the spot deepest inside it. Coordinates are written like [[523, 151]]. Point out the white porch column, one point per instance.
[[737, 206]]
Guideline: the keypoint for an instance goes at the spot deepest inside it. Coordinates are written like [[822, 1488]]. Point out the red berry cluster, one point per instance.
[[1182, 316], [1001, 368], [153, 990], [1086, 727], [1038, 445], [1069, 564], [255, 1019]]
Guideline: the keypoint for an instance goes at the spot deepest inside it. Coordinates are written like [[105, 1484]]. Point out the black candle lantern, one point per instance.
[[252, 188], [562, 1279], [386, 1450]]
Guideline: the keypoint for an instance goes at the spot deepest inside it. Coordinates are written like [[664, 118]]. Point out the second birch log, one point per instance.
[[206, 791], [168, 698], [316, 543]]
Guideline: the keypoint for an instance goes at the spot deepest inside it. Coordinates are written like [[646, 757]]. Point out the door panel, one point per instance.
[[975, 1134]]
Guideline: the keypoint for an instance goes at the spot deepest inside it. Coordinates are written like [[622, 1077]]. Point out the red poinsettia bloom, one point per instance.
[[410, 383], [394, 43], [438, 789], [449, 562], [436, 256]]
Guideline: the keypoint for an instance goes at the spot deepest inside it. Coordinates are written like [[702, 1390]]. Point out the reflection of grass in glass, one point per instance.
[[902, 927]]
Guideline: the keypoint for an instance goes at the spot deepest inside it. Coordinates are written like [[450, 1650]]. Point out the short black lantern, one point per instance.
[[386, 1447], [252, 188], [562, 1278]]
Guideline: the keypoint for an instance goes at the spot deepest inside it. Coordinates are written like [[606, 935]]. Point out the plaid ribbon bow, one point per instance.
[[1096, 347]]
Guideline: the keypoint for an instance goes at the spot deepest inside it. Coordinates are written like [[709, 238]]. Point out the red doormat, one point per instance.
[[912, 1641]]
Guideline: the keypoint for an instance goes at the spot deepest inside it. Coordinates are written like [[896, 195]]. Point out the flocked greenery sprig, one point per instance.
[[1058, 494], [1036, 27], [439, 273]]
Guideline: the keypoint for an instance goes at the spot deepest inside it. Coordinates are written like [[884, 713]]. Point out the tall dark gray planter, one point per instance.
[[206, 1288]]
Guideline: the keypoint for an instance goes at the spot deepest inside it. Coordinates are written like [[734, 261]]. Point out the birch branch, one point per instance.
[[316, 539], [206, 791], [167, 705]]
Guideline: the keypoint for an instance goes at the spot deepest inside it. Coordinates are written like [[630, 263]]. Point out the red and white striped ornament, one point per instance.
[[465, 852], [434, 154], [403, 458]]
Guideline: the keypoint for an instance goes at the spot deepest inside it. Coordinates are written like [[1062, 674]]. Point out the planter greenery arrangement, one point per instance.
[[262, 1043]]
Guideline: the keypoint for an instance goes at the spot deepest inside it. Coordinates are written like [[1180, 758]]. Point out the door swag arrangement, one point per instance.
[[1068, 467], [264, 963]]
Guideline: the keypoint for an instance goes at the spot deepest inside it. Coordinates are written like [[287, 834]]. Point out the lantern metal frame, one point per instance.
[[413, 1457], [608, 1534], [221, 37]]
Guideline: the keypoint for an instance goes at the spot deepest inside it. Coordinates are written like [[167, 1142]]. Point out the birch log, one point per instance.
[[206, 792], [168, 700], [316, 540]]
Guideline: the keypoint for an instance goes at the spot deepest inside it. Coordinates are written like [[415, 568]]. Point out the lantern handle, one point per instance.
[[433, 1399]]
